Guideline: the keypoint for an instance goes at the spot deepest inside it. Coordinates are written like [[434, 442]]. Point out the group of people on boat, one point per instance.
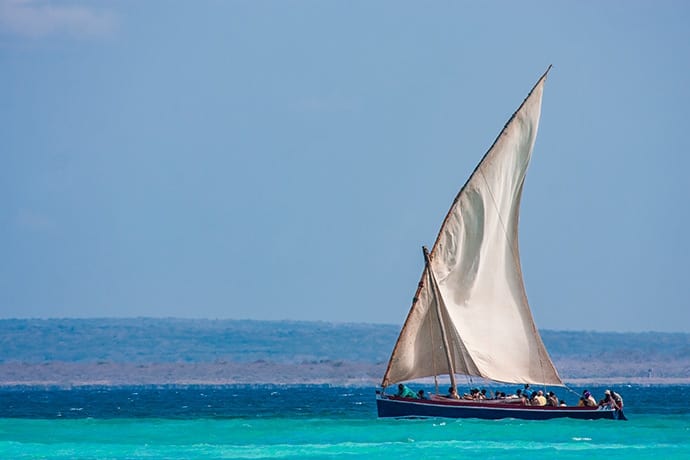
[[528, 397], [522, 396], [611, 400], [536, 398]]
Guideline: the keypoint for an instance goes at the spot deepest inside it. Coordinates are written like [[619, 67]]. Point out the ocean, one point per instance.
[[315, 421]]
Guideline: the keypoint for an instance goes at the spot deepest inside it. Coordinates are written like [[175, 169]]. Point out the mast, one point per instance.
[[439, 300]]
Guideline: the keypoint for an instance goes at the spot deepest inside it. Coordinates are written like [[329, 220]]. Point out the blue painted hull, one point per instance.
[[392, 406]]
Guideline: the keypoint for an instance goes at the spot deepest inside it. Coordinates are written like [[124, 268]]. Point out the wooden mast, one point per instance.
[[444, 336]]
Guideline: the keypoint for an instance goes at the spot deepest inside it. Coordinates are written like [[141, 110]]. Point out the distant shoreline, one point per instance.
[[334, 373], [355, 384], [144, 351]]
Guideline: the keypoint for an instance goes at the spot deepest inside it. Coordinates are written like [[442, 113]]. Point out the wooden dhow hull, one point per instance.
[[394, 406]]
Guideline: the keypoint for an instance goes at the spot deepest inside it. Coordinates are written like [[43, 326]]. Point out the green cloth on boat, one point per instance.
[[405, 392]]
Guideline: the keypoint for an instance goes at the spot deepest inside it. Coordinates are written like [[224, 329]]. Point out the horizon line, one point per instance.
[[287, 320]]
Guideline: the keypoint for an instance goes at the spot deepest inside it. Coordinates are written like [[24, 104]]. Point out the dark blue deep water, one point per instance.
[[252, 401]]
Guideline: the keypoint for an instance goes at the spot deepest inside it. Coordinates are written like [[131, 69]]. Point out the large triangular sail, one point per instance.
[[479, 288]]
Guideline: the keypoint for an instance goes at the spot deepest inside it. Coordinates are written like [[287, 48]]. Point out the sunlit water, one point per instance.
[[315, 422]]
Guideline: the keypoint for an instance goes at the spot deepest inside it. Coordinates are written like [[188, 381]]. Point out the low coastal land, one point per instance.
[[146, 351], [62, 374]]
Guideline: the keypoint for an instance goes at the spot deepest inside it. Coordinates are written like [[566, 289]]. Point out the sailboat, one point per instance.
[[470, 315]]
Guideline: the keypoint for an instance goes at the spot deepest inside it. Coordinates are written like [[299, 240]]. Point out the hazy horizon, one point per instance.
[[288, 320]]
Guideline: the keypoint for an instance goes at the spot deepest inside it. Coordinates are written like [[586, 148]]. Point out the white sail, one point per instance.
[[480, 293]]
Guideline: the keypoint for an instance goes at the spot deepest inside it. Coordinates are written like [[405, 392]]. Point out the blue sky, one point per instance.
[[287, 160]]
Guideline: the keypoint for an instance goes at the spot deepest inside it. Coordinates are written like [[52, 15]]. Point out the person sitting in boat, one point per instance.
[[539, 399], [422, 395], [452, 393], [522, 396], [618, 399], [606, 402], [587, 400], [475, 394], [612, 400], [512, 398], [518, 398], [405, 392], [551, 399], [471, 395]]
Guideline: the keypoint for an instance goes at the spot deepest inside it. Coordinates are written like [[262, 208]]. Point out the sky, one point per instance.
[[287, 160]]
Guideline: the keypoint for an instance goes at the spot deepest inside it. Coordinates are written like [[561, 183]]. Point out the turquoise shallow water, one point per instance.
[[645, 437], [289, 424]]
